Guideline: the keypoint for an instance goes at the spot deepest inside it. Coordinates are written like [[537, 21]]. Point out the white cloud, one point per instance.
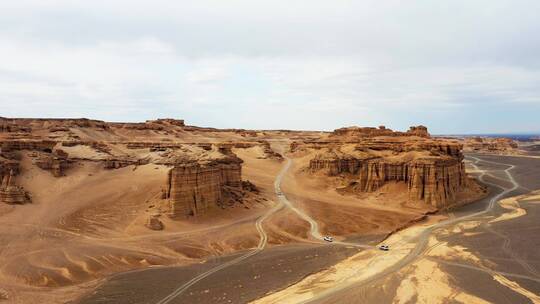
[[273, 64], [207, 74]]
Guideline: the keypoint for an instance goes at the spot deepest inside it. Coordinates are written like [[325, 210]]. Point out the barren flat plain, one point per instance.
[[163, 212]]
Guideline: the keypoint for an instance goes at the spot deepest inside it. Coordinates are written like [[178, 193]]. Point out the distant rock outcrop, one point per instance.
[[10, 193], [57, 163], [153, 222], [420, 131], [491, 145], [27, 144]]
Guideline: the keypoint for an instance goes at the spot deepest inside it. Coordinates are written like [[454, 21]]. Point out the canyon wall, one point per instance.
[[432, 169], [500, 146], [434, 181], [194, 188], [10, 193], [420, 131], [57, 162]]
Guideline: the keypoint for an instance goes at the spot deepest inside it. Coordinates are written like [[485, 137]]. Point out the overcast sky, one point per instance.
[[460, 66]]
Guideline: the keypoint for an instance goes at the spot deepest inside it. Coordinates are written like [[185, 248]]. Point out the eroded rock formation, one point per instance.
[[27, 144], [432, 169], [491, 145], [10, 193], [193, 188], [203, 174], [153, 222], [420, 131], [269, 152], [57, 163]]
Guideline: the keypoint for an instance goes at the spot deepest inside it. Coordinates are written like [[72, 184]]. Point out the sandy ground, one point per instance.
[[89, 224]]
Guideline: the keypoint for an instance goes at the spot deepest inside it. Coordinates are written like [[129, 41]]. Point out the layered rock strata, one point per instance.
[[432, 169], [194, 188], [11, 193], [57, 163], [433, 181], [27, 144], [491, 145], [420, 131]]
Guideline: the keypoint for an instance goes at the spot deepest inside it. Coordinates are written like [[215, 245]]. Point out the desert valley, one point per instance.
[[269, 152], [164, 212]]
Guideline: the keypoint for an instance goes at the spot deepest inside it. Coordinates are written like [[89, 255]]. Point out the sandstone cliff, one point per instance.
[[193, 188], [432, 169], [435, 181], [491, 145], [420, 131], [11, 193], [57, 163]]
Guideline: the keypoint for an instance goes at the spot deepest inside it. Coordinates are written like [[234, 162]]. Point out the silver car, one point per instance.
[[384, 247], [328, 238]]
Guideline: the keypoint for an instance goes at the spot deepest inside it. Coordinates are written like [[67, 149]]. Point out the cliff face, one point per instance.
[[432, 169], [26, 144], [11, 193], [491, 145], [57, 163], [194, 188], [434, 181], [420, 131]]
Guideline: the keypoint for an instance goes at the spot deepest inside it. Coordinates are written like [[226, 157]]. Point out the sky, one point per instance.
[[461, 66]]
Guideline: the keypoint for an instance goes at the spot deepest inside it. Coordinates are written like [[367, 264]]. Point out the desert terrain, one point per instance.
[[164, 212]]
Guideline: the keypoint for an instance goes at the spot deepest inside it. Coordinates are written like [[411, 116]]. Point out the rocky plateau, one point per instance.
[[368, 158], [499, 146]]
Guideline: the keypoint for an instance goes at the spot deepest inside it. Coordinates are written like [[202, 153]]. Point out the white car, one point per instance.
[[384, 247], [328, 238]]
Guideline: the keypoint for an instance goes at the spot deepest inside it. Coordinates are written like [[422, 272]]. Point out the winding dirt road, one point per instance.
[[314, 227]]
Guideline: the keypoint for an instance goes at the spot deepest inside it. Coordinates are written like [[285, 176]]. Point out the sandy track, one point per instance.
[[314, 226]]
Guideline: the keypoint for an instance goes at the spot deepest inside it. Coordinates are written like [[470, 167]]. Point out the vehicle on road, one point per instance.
[[384, 247], [328, 238]]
